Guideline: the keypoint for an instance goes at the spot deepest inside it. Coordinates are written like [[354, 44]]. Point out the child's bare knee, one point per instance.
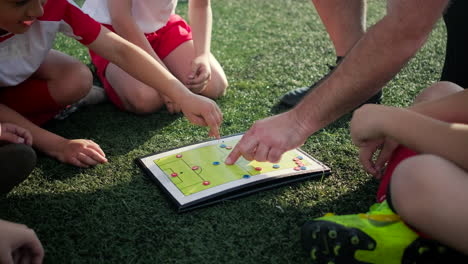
[[218, 88], [436, 91], [71, 83], [142, 103], [79, 79], [411, 179]]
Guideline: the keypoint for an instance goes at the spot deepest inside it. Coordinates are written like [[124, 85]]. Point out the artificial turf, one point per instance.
[[112, 214]]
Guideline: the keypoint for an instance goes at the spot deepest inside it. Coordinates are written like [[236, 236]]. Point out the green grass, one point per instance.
[[111, 214]]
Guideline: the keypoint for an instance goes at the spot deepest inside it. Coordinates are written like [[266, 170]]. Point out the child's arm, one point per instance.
[[124, 24], [200, 17], [19, 242], [79, 152], [132, 59], [419, 132]]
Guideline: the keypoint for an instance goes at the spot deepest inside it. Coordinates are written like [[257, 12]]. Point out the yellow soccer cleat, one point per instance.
[[379, 237]]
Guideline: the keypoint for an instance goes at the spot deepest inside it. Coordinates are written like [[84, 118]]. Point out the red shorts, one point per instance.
[[31, 99], [163, 41], [400, 154]]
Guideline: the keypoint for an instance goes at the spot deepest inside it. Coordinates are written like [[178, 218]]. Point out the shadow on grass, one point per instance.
[[118, 133], [133, 222], [114, 130]]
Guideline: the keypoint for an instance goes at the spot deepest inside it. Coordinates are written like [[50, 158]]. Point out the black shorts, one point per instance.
[[456, 56]]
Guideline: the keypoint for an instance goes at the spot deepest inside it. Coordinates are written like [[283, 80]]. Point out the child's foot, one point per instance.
[[95, 96], [376, 237]]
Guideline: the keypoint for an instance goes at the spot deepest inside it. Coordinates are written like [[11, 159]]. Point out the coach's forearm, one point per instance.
[[375, 59]]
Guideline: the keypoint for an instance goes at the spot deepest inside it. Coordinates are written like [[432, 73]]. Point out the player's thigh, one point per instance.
[[135, 95], [425, 176], [68, 79], [436, 91], [179, 63]]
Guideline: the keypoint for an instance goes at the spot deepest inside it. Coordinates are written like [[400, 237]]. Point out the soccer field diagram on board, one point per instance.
[[202, 168]]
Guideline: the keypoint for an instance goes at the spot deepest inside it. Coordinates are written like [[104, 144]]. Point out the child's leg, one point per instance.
[[16, 163], [130, 94], [433, 92], [68, 79], [179, 63], [430, 193], [175, 47], [436, 91]]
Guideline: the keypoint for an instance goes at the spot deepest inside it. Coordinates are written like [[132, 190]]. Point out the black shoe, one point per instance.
[[292, 98], [16, 163]]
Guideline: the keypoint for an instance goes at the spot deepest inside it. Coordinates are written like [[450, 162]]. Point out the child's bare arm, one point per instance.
[[419, 132], [78, 152], [139, 64], [200, 16], [125, 26]]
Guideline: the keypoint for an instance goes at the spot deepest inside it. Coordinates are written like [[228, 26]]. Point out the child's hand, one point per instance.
[[367, 134], [202, 111], [200, 75], [367, 152], [19, 244], [15, 134], [80, 152]]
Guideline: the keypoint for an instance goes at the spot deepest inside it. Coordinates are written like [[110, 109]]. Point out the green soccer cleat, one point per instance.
[[379, 237]]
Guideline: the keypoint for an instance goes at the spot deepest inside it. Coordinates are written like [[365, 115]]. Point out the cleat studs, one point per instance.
[[332, 234], [336, 249], [441, 249], [315, 232], [313, 254], [314, 235], [423, 250], [370, 246], [354, 240]]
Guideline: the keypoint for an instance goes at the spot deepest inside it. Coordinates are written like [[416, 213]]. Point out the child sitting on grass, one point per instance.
[[154, 27], [423, 192], [18, 243], [36, 81]]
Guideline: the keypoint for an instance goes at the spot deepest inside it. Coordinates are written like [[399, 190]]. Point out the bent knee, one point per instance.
[[78, 79], [143, 103], [217, 88], [412, 178], [436, 91]]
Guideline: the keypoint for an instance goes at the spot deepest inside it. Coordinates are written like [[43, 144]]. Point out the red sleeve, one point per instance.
[[73, 22], [82, 24]]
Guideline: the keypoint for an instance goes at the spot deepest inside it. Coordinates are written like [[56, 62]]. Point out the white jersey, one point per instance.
[[150, 15], [22, 54]]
